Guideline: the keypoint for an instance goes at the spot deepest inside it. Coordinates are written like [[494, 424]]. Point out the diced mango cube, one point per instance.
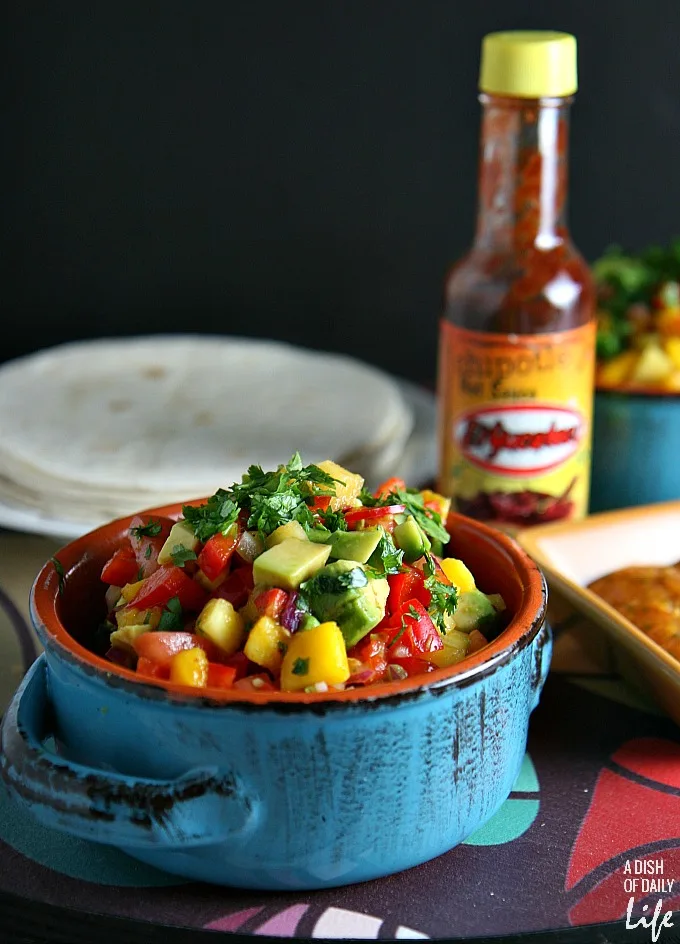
[[668, 322], [219, 622], [315, 655], [441, 504], [672, 348], [267, 643], [653, 367], [615, 372], [458, 574], [189, 667], [348, 487], [134, 617], [130, 590]]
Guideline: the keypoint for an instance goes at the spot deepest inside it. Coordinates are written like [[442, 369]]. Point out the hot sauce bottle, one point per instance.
[[517, 337]]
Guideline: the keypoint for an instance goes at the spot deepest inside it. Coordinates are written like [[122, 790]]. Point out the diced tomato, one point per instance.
[[371, 514], [221, 676], [390, 485], [161, 647], [236, 586], [255, 683], [152, 669], [412, 665], [147, 547], [122, 568], [419, 637], [240, 663], [168, 582], [370, 652], [271, 602], [405, 586], [216, 554]]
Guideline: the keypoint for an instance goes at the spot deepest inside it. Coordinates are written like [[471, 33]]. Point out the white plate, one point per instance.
[[417, 465], [573, 554]]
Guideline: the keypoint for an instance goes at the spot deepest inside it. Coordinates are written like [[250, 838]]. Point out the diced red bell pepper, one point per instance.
[[405, 586], [390, 485], [122, 568], [236, 586], [216, 554], [271, 602], [151, 669], [168, 582], [147, 547], [255, 683], [370, 514], [221, 676], [320, 503], [419, 637], [161, 647]]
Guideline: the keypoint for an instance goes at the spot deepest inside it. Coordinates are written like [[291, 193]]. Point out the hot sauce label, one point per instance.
[[515, 423]]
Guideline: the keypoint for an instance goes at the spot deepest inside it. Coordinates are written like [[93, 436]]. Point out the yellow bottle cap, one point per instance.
[[531, 64]]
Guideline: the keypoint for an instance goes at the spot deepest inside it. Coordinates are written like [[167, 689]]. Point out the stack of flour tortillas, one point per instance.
[[99, 429]]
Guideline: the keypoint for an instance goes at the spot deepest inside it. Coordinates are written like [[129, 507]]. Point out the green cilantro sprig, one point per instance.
[[269, 499], [171, 617], [300, 667], [387, 558], [181, 554], [149, 530], [59, 567]]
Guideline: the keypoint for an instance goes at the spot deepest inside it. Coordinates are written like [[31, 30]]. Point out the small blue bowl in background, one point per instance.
[[636, 450]]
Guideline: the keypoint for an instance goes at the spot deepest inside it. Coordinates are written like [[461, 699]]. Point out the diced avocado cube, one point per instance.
[[182, 534], [308, 621], [456, 646], [124, 637], [356, 609], [411, 538], [319, 535], [219, 622], [354, 545], [474, 611], [292, 529], [289, 563]]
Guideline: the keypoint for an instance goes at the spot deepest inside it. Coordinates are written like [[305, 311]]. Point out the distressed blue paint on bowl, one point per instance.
[[275, 793], [636, 450]]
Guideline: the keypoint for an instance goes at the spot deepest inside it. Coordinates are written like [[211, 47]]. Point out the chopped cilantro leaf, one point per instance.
[[171, 617], [216, 516], [147, 553], [428, 519], [300, 667], [282, 647], [59, 567], [181, 554], [335, 584], [443, 596], [150, 530], [333, 520], [412, 611], [387, 557], [140, 574]]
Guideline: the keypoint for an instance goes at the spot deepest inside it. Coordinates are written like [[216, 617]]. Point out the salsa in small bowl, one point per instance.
[[232, 759], [636, 425]]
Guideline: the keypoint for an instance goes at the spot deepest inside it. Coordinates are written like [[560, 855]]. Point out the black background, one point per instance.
[[301, 169]]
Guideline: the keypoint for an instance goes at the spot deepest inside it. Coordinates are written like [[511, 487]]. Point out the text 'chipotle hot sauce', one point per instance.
[[517, 341]]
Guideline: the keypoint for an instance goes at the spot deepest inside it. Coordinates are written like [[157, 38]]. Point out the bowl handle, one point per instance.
[[203, 806]]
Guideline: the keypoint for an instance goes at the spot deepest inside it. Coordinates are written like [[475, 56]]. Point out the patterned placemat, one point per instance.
[[590, 832]]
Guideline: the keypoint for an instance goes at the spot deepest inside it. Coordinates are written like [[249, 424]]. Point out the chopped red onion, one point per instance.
[[291, 614]]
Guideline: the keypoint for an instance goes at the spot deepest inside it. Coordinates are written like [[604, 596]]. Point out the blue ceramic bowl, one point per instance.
[[636, 450], [272, 790]]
